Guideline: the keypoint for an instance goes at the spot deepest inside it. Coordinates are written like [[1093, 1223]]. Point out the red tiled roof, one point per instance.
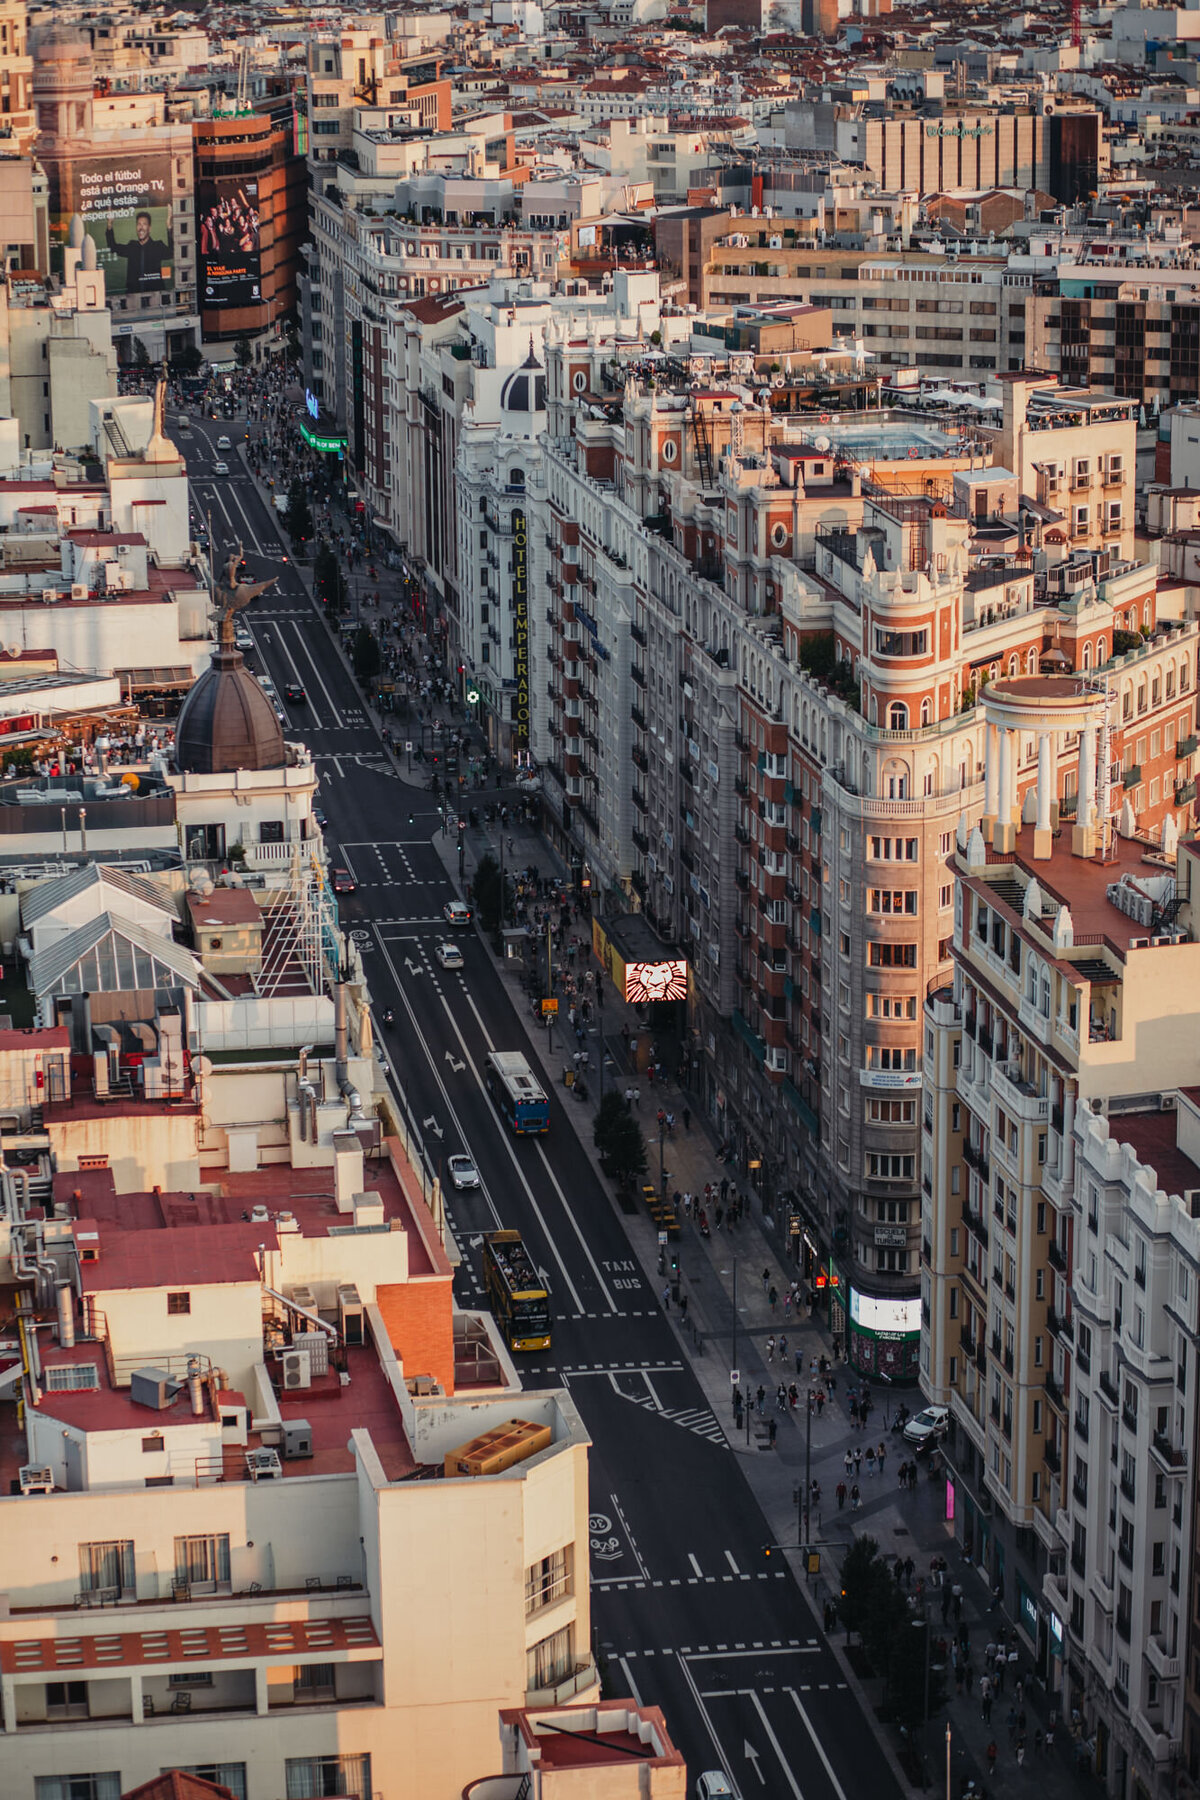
[[173, 1784], [189, 1256], [186, 1644]]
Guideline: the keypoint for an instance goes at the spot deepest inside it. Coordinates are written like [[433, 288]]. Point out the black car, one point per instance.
[[294, 692]]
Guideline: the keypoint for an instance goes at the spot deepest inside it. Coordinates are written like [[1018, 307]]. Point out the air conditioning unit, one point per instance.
[[315, 1345], [297, 1370], [350, 1314], [36, 1478], [260, 1215], [1191, 1199], [297, 1439], [1139, 943], [79, 590], [49, 596], [303, 1296]]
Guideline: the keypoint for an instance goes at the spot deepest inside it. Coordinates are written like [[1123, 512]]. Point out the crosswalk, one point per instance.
[[699, 1420]]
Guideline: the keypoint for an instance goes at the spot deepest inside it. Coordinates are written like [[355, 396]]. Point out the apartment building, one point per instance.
[[1119, 314], [1072, 959], [358, 69], [816, 611]]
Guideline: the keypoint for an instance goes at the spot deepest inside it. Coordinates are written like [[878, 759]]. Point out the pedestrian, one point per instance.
[[881, 1457], [782, 1347], [683, 1306], [1021, 1751], [771, 1428], [666, 1299], [1011, 1724], [686, 1115], [848, 1462], [855, 1498], [991, 1757], [773, 1297], [840, 1491], [858, 1462], [771, 1347], [761, 1399], [870, 1461], [820, 1401], [985, 1708], [766, 1279], [781, 1397]]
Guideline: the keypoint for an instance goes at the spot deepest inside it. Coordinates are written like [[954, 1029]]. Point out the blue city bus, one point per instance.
[[517, 1092]]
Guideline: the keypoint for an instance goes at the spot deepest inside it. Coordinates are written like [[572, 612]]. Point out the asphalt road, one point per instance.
[[687, 1610]]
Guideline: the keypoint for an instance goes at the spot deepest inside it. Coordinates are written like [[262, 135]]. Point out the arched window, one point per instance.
[[516, 478], [897, 716], [1014, 665], [1087, 656], [1031, 662], [926, 711]]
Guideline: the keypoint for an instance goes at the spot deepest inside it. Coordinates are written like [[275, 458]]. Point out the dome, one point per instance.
[[227, 722], [525, 389]]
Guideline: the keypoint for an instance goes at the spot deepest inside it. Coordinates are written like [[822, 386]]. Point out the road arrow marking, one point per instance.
[[431, 1124], [751, 1756], [456, 1067], [416, 969]]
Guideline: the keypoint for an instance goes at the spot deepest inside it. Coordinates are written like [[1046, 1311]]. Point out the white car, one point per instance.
[[713, 1785], [242, 638], [929, 1423], [463, 1172], [221, 468], [456, 912], [450, 956], [224, 443]]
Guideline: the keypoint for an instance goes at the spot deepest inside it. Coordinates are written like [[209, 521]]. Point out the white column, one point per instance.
[[1087, 776], [1005, 809], [1045, 782], [991, 773]]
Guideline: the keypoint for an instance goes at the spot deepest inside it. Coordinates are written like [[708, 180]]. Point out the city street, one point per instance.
[[689, 1612]]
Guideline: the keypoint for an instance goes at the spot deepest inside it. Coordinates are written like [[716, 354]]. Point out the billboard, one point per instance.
[[230, 259], [520, 601], [645, 981], [124, 205]]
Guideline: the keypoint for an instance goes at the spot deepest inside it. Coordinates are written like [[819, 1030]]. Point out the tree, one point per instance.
[[486, 890], [243, 355], [298, 519], [188, 360], [618, 1138], [364, 654], [327, 578], [141, 356], [862, 1572]]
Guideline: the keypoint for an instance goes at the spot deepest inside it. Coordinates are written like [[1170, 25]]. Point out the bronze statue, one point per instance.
[[232, 595]]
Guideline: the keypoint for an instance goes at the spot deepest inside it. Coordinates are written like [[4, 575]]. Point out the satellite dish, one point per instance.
[[823, 443], [14, 649]]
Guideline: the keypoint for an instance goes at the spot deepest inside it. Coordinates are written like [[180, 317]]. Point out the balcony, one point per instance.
[[1108, 1390], [1132, 775], [638, 798], [640, 759], [1186, 745], [1128, 1487], [1185, 793], [1171, 1457], [1057, 1256], [1165, 1666], [638, 635], [639, 675], [1079, 1491], [638, 717], [1052, 1457], [1054, 1392], [581, 1682]]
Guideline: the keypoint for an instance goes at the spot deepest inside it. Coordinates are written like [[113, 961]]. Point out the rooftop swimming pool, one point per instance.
[[880, 439]]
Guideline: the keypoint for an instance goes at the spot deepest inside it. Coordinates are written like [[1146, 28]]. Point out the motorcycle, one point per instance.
[[389, 1017]]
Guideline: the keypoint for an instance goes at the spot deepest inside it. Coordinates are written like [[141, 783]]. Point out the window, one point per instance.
[[230, 1775], [66, 1699], [314, 1777], [203, 1562], [179, 1303], [78, 1787], [70, 1377], [891, 1112], [890, 1168], [892, 900], [892, 956], [191, 1678], [313, 1681], [900, 643], [547, 1580], [107, 1566], [552, 1660]]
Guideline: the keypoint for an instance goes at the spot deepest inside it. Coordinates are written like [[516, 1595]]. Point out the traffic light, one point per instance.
[[674, 1265], [768, 1551]]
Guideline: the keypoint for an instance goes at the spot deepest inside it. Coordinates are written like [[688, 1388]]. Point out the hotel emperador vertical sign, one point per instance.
[[520, 594]]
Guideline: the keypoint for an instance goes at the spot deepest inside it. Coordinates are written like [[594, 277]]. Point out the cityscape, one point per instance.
[[599, 627]]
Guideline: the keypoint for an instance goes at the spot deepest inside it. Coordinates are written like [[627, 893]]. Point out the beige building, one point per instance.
[[1072, 993]]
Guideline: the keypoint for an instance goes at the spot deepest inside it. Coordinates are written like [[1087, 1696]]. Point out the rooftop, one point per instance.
[[1151, 1136]]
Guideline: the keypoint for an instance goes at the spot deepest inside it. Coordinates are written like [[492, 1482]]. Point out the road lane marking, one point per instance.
[[520, 1173], [695, 1564], [838, 1789], [633, 1686], [756, 1650], [568, 1212], [730, 1561], [337, 717], [700, 1707], [776, 1746]]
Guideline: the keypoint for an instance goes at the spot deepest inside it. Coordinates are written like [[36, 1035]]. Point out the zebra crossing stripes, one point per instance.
[[698, 1419]]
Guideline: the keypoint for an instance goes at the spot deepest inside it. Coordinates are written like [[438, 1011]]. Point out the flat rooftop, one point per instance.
[[1151, 1137], [1081, 883]]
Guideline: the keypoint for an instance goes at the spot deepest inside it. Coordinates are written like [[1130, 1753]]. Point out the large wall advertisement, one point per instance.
[[520, 594], [230, 259], [125, 207]]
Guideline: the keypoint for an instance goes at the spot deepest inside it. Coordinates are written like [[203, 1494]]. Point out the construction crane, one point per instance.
[[1076, 25]]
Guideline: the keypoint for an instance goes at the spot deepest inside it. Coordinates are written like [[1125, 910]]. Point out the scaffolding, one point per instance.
[[301, 951]]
